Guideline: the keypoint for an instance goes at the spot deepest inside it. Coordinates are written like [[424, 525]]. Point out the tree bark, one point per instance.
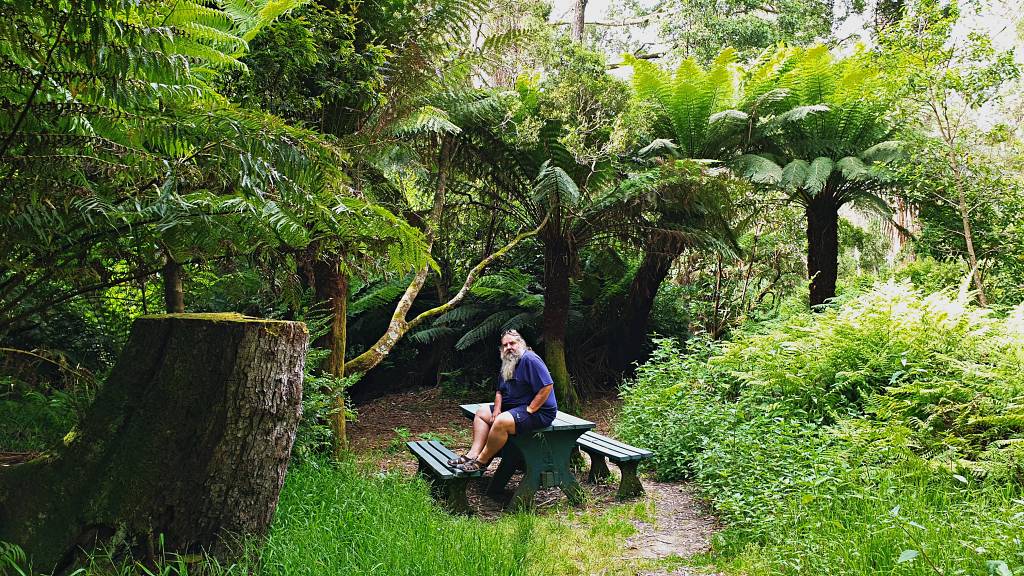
[[174, 293], [557, 268], [965, 218], [579, 15], [332, 286], [399, 326], [822, 247], [187, 442], [636, 316]]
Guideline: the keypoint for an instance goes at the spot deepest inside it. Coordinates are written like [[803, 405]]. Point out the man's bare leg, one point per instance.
[[481, 427], [497, 437]]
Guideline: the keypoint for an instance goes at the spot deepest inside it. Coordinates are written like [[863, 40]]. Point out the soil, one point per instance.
[[681, 525]]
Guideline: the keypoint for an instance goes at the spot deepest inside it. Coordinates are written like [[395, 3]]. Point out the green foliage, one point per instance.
[[321, 392], [12, 559], [833, 442], [821, 130], [669, 405], [121, 154], [693, 106], [699, 28], [35, 419]]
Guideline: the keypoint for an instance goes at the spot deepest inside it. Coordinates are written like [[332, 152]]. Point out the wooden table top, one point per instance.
[[563, 421]]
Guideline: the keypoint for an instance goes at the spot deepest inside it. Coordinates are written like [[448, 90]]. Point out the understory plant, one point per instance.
[[881, 434]]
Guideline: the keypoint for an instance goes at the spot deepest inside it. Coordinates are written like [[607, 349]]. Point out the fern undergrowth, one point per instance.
[[883, 434]]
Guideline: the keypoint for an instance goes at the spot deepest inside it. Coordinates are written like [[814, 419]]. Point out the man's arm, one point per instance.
[[497, 405], [539, 399]]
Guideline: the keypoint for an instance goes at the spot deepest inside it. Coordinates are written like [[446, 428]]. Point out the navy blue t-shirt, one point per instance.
[[528, 378]]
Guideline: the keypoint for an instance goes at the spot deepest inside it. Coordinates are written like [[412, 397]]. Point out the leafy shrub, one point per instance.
[[670, 408], [862, 439], [930, 275], [320, 393], [32, 421]]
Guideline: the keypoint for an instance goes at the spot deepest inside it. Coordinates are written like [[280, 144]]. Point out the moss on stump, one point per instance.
[[189, 439]]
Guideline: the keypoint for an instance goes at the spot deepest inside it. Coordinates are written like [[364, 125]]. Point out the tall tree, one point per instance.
[[693, 122], [950, 77], [120, 156], [826, 144]]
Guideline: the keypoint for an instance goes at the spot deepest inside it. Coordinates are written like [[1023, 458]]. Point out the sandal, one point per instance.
[[473, 465], [455, 462]]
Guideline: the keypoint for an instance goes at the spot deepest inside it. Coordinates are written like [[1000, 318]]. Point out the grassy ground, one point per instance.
[[338, 519]]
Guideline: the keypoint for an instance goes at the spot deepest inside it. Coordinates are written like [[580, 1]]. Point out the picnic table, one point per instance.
[[543, 456]]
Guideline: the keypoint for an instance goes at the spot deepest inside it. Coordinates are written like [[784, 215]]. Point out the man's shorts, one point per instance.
[[526, 422]]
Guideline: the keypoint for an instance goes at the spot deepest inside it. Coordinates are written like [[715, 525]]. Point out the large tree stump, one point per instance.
[[189, 439]]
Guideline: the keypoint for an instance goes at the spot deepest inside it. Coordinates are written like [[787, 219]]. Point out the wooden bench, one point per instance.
[[626, 457], [447, 483]]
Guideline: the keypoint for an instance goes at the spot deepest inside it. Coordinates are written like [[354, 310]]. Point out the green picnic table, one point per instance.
[[542, 455]]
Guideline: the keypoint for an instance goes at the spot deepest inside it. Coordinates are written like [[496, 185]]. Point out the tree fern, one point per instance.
[[830, 130], [115, 139]]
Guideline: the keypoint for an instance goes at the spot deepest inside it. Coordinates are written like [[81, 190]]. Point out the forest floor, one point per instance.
[[679, 524]]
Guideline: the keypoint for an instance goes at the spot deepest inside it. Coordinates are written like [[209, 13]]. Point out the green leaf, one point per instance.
[[758, 169], [998, 568], [907, 556]]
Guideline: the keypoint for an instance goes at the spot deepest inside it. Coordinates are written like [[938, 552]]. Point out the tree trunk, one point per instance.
[[187, 443], [636, 314], [822, 247], [174, 294], [965, 218], [579, 14], [332, 287], [557, 267]]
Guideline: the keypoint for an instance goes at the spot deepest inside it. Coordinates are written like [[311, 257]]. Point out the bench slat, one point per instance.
[[617, 444], [442, 453], [436, 455], [424, 453], [614, 454], [596, 444], [615, 451]]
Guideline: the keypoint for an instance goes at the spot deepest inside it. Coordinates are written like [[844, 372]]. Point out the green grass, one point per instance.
[[332, 519], [865, 529], [336, 519]]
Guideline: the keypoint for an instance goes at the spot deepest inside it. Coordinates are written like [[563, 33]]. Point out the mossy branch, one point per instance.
[[399, 326]]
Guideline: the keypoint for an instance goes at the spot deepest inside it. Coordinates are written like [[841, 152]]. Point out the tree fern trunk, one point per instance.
[[822, 247], [187, 443], [628, 346], [557, 268]]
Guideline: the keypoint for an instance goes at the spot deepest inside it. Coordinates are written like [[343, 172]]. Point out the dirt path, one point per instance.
[[680, 527]]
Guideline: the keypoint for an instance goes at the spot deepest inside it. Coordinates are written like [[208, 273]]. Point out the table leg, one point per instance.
[[573, 491], [511, 461], [523, 497]]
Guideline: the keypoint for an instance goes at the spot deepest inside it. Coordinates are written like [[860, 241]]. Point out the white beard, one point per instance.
[[508, 363]]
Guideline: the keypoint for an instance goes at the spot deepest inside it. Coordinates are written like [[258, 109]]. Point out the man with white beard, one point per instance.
[[525, 401]]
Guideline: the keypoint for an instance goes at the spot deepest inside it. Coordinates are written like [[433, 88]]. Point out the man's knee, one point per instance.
[[484, 413], [506, 422]]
